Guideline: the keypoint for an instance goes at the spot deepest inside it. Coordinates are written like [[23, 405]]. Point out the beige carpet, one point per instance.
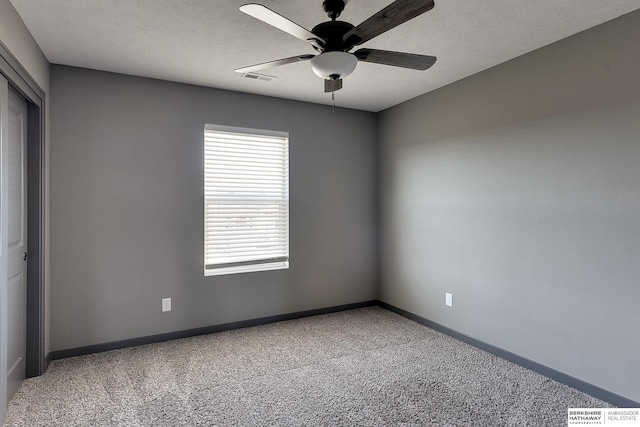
[[365, 367]]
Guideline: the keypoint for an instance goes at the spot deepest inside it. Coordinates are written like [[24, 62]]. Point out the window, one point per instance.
[[246, 200]]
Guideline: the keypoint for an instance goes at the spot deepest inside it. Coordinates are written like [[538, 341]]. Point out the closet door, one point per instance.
[[16, 241]]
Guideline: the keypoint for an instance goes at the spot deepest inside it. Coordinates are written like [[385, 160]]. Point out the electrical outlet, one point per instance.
[[166, 304], [448, 299]]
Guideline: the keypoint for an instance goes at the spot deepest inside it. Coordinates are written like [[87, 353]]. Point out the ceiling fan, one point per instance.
[[334, 39]]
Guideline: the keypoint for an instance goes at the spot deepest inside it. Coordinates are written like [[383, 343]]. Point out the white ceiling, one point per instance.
[[202, 41]]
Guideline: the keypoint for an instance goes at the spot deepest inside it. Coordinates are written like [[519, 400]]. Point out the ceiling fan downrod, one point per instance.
[[333, 8]]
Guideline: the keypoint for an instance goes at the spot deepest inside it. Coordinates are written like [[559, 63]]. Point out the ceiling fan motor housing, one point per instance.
[[332, 33]]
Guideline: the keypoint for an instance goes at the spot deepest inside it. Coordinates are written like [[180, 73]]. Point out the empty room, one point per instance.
[[336, 213]]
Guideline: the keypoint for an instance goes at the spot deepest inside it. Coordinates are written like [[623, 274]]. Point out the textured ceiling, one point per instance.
[[202, 41]]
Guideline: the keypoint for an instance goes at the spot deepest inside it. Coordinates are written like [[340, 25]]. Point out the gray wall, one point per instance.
[[518, 190], [127, 208]]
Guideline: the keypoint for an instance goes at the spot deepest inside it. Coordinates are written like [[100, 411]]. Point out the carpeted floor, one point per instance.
[[365, 367]]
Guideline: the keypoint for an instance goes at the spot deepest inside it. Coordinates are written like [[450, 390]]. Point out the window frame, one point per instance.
[[257, 264]]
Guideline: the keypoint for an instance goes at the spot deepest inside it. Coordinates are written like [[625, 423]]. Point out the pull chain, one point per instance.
[[333, 98]]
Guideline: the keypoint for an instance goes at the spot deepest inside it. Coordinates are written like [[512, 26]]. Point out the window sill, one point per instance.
[[246, 268]]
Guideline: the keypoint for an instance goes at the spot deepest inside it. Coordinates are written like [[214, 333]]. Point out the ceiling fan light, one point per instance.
[[333, 65]]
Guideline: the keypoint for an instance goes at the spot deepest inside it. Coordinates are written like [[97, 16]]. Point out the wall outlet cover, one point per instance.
[[448, 299], [166, 304]]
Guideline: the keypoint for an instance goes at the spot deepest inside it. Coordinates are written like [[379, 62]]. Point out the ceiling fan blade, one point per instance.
[[274, 19], [397, 59], [275, 63], [332, 85], [398, 12]]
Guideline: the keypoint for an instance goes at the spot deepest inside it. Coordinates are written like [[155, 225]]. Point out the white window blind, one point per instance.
[[246, 186]]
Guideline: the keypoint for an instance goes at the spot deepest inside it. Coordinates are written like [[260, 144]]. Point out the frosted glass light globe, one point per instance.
[[330, 65]]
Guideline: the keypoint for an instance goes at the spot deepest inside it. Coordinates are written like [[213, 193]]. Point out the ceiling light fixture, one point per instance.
[[334, 65]]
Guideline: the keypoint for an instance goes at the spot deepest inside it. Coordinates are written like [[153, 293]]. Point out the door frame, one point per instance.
[[22, 82]]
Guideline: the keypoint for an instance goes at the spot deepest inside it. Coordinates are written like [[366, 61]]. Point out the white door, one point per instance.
[[16, 243]]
